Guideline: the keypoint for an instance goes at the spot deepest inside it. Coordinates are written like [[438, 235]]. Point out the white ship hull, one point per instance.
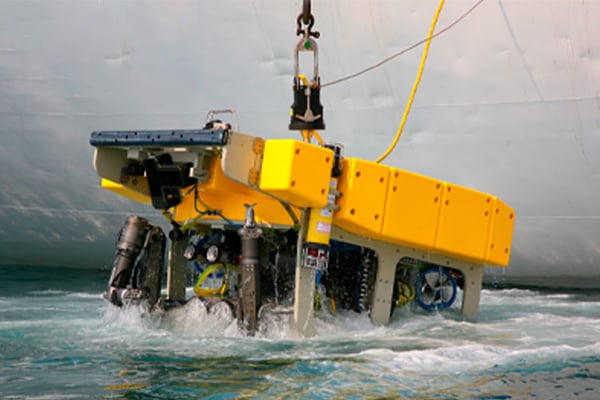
[[509, 104]]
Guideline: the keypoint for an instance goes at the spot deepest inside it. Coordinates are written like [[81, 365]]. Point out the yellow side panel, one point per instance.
[[268, 211], [362, 205], [217, 182], [228, 197], [501, 232], [125, 192], [464, 223], [412, 209], [296, 172]]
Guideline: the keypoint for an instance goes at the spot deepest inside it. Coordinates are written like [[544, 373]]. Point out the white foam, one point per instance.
[[517, 329], [195, 318], [48, 292]]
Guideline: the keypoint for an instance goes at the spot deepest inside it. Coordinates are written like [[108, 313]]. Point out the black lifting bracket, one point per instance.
[[165, 179], [306, 111]]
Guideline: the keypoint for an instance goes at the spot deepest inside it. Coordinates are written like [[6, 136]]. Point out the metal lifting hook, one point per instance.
[[306, 15], [306, 18]]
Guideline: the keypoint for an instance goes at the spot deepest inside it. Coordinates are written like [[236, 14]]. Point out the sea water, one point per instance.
[[59, 340]]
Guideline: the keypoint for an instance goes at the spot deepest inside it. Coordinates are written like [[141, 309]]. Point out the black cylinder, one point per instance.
[[250, 251], [130, 241]]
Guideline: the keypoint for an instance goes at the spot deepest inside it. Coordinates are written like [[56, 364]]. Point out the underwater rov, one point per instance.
[[282, 225]]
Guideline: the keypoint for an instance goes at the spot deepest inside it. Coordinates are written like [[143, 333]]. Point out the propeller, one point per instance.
[[435, 289]]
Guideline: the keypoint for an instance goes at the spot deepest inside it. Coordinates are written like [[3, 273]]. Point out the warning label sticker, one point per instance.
[[323, 227]]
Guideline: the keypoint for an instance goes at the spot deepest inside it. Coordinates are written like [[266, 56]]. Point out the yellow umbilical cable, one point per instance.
[[415, 85]]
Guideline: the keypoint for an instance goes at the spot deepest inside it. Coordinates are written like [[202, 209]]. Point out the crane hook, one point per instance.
[[306, 15], [306, 18]]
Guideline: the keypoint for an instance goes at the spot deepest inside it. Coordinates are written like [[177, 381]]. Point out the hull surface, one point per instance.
[[506, 106]]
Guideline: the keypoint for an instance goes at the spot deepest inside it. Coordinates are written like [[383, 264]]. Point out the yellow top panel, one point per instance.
[[412, 209], [364, 187], [501, 232], [464, 223], [296, 172]]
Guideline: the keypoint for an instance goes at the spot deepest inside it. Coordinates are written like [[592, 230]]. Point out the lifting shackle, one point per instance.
[[306, 111]]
